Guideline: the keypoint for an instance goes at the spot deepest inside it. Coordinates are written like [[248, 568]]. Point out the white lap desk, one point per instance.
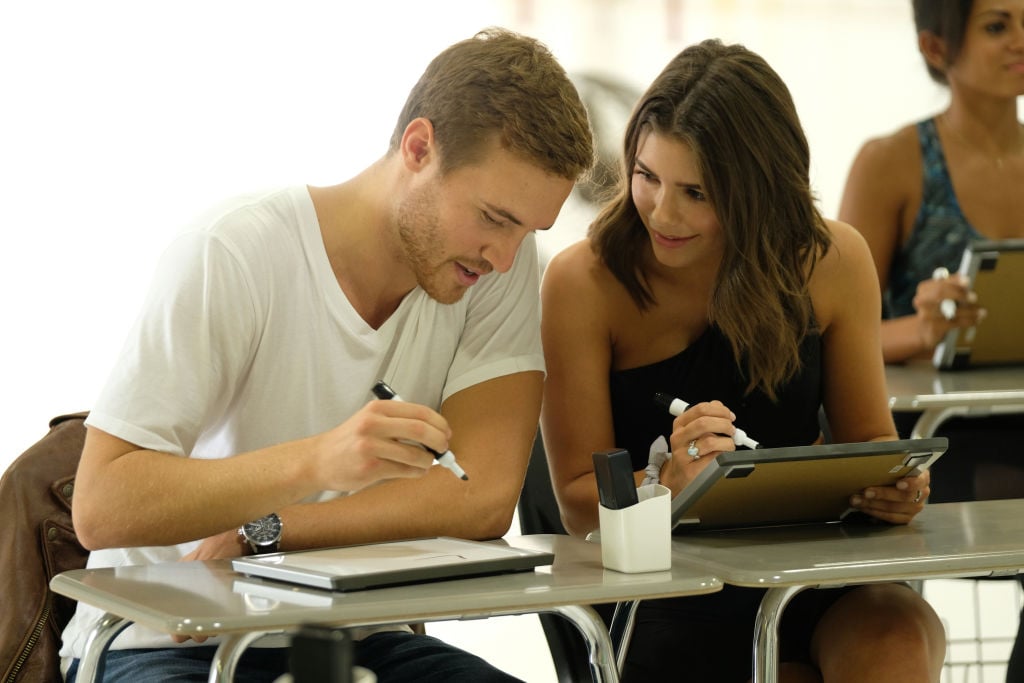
[[204, 598], [939, 396], [947, 540]]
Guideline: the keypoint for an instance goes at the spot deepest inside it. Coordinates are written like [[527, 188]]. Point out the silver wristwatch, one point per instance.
[[263, 535]]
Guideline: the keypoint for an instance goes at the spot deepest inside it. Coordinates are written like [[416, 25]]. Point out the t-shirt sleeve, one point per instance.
[[197, 327], [502, 331]]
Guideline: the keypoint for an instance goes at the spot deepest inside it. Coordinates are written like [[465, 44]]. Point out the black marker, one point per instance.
[[677, 406], [382, 391], [613, 470]]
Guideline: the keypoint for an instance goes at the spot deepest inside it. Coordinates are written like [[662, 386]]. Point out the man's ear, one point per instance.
[[933, 49], [418, 148]]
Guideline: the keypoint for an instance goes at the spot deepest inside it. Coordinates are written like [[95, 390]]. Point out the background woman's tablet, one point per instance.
[[995, 270]]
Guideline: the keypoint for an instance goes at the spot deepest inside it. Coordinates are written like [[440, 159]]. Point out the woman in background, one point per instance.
[[922, 193], [712, 277]]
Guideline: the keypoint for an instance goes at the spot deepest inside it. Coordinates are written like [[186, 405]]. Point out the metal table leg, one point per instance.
[[931, 418], [225, 659], [621, 630], [90, 667], [766, 632], [599, 644]]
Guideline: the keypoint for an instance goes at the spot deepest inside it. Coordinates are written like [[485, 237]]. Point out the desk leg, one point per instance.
[[90, 668], [930, 420], [599, 645], [766, 632], [621, 630], [225, 659]]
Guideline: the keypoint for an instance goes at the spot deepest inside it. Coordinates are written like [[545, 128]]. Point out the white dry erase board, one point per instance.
[[995, 271], [795, 485], [391, 563]]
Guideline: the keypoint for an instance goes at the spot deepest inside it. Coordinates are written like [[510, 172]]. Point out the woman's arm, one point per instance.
[[882, 191], [576, 415], [846, 300], [848, 307]]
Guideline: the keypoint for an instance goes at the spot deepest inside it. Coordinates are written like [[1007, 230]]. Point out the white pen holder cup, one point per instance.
[[638, 538]]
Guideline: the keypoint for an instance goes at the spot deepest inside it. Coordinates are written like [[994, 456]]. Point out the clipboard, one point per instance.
[[391, 563], [995, 271], [795, 485]]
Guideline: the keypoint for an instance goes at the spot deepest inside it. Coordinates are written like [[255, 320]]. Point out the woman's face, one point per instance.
[[673, 204], [991, 60]]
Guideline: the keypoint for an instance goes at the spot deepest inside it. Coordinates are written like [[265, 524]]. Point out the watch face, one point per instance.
[[264, 531]]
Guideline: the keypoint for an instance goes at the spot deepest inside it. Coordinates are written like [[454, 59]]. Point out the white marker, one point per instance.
[[947, 306], [677, 406], [446, 459]]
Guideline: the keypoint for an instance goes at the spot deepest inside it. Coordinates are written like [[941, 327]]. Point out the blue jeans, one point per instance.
[[396, 657]]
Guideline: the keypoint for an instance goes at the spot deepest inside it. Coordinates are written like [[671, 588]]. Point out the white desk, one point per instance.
[[204, 598], [947, 540], [917, 385]]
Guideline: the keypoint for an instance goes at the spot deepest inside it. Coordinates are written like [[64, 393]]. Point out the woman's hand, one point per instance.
[[897, 504], [936, 317], [700, 433]]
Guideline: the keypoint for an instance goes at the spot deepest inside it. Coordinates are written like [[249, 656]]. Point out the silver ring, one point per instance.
[[917, 498], [693, 451]]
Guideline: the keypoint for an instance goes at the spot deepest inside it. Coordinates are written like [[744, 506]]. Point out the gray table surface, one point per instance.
[[204, 598], [947, 540]]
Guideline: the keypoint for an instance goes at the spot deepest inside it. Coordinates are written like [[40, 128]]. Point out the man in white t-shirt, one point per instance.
[[239, 417]]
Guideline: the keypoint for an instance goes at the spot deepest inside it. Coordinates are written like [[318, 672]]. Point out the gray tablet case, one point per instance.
[[391, 563], [995, 270], [795, 485]]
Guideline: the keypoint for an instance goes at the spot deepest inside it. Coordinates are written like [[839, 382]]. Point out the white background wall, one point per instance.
[[120, 120]]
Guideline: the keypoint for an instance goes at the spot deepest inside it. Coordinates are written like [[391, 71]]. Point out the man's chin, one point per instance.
[[447, 296]]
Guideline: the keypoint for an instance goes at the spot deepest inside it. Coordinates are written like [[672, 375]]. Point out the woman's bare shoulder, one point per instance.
[[893, 152], [848, 248], [845, 270], [578, 266], [578, 284]]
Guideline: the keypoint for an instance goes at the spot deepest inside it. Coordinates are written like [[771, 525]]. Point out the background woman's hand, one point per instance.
[[932, 320]]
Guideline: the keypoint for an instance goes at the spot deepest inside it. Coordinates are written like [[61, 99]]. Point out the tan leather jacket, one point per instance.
[[38, 542]]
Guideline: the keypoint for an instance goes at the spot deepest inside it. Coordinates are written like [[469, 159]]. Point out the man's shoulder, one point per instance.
[[267, 206], [252, 225]]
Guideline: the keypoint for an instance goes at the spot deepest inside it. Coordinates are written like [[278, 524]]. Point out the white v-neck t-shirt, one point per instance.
[[246, 340]]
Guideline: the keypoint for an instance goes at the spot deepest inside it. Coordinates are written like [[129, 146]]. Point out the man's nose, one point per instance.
[[501, 252]]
